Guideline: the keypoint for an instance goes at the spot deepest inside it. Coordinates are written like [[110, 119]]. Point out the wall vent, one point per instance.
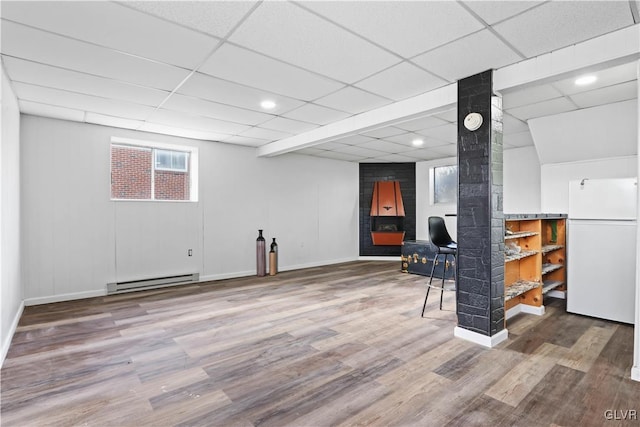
[[153, 283]]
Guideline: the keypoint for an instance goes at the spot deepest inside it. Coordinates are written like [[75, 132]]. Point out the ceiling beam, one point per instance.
[[602, 52], [432, 102]]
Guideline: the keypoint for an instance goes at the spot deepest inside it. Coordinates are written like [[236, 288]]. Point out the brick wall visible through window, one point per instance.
[[134, 176]]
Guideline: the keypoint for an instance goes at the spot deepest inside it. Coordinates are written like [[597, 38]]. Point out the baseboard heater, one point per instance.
[[153, 283]]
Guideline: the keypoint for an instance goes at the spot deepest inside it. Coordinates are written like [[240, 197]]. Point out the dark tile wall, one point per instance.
[[369, 174], [480, 216]]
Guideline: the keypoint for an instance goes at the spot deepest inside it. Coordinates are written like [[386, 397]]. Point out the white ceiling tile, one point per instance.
[[607, 95], [386, 146], [420, 123], [450, 150], [407, 139], [239, 65], [405, 27], [357, 150], [27, 43], [468, 56], [529, 95], [78, 101], [449, 115], [334, 146], [178, 131], [203, 86], [521, 139], [558, 24], [544, 108], [310, 151], [607, 77], [202, 107], [285, 31], [213, 17], [340, 156], [447, 133], [268, 134], [495, 11], [394, 158], [117, 122], [189, 121], [354, 139], [426, 154], [401, 81], [287, 125], [373, 160], [513, 125], [316, 114], [245, 140], [384, 132], [353, 100], [111, 25], [58, 78], [53, 111]]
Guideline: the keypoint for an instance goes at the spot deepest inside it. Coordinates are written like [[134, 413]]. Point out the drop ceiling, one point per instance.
[[200, 69]]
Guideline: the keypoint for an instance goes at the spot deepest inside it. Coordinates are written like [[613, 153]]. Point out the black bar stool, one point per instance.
[[445, 245]]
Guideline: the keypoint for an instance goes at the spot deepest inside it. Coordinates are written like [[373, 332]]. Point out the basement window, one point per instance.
[[143, 170], [445, 184]]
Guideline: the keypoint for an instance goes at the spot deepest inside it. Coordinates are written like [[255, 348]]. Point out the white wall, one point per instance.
[[75, 240], [555, 178], [521, 192], [10, 286]]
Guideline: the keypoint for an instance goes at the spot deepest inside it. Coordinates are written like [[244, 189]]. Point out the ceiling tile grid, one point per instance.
[[216, 18], [285, 31], [401, 81], [557, 24], [200, 69], [468, 56], [112, 26], [405, 27]]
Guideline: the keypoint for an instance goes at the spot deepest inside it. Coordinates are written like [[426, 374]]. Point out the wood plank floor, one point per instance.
[[328, 346]]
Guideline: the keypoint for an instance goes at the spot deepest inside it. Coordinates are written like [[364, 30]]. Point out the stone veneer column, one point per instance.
[[480, 262]]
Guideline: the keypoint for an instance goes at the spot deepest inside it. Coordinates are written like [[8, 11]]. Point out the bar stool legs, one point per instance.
[[444, 271]]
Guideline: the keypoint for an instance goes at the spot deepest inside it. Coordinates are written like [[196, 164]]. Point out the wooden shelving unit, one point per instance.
[[534, 260]]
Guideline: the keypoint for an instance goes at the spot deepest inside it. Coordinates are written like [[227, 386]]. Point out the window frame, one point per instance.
[[191, 166]]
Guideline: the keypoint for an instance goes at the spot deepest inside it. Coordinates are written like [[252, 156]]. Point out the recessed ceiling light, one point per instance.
[[417, 142], [586, 80], [268, 104]]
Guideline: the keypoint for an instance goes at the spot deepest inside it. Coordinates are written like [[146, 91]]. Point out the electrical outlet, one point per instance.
[[190, 252]]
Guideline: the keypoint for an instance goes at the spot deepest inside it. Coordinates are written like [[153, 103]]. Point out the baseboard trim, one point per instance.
[[380, 258], [635, 373], [524, 308], [483, 340], [65, 297], [12, 330], [247, 273]]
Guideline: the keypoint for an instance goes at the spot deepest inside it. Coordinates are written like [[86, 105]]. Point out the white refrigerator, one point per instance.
[[601, 248]]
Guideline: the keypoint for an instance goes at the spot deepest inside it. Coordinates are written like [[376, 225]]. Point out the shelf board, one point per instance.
[[548, 285], [518, 234], [548, 268], [515, 257], [549, 248], [519, 288]]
